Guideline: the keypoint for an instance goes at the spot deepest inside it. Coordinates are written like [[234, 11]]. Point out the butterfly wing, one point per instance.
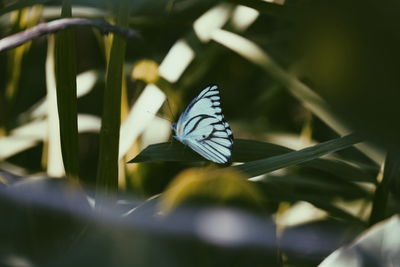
[[203, 128]]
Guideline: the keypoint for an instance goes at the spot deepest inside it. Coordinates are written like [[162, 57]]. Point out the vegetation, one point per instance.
[[89, 173]]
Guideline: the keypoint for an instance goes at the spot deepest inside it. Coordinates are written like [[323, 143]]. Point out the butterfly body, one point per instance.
[[203, 128]]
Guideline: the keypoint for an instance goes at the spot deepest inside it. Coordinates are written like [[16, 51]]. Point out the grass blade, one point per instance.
[[65, 71], [250, 151], [262, 166], [327, 188], [390, 174], [168, 151], [107, 170], [243, 151]]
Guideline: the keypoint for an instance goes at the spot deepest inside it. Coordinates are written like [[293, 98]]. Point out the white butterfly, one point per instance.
[[202, 127]]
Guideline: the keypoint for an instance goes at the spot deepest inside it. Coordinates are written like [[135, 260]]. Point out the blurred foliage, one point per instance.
[[297, 77], [352, 59], [221, 187]]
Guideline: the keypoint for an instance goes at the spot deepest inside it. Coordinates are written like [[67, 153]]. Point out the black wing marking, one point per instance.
[[206, 130]]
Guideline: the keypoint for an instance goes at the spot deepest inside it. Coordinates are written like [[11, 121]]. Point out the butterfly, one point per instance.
[[203, 128]]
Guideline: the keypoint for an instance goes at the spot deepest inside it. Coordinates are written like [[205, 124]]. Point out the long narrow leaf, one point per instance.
[[305, 185], [107, 170], [263, 166], [248, 151], [390, 178], [65, 70], [243, 151]]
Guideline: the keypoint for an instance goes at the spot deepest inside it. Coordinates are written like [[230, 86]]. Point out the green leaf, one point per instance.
[[251, 150], [169, 151], [263, 166], [344, 169], [389, 181], [282, 191], [107, 169], [333, 210], [243, 151], [329, 188], [65, 71]]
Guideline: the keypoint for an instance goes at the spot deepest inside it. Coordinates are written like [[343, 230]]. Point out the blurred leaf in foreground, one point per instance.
[[379, 246], [213, 186]]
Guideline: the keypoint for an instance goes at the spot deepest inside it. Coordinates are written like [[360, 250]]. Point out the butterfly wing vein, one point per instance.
[[203, 128]]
